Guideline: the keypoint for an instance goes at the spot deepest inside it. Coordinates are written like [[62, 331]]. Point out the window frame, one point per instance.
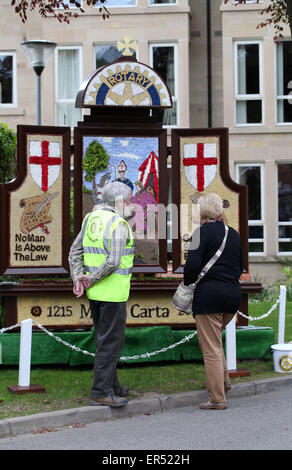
[[162, 4], [80, 52], [175, 97], [248, 97], [280, 97], [117, 6], [14, 80], [259, 222], [288, 223], [71, 7], [97, 44], [235, 2]]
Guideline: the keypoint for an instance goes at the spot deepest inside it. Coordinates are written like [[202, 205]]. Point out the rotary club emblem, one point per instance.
[[285, 363], [125, 82], [128, 84]]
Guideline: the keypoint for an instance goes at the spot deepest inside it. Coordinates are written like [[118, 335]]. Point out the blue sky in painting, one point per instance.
[[133, 150]]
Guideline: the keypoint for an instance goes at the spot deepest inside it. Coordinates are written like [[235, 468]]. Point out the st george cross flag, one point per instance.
[[44, 162], [200, 163]]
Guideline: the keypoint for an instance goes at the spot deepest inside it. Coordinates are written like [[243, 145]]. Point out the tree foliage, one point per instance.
[[56, 8], [7, 153], [96, 160], [277, 12]]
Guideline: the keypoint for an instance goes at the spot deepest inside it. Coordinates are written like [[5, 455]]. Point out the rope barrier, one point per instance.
[[144, 355]]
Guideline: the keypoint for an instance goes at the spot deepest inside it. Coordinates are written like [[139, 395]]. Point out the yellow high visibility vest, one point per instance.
[[97, 230]]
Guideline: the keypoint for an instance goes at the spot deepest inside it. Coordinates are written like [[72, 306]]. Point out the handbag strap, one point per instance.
[[214, 258]]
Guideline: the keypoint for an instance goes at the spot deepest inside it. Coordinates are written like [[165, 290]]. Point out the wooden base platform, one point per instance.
[[239, 373], [18, 389]]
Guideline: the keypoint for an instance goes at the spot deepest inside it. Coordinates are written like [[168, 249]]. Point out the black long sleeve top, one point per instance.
[[219, 291]]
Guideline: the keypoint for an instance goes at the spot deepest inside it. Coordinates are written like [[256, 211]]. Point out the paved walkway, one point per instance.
[[91, 414]]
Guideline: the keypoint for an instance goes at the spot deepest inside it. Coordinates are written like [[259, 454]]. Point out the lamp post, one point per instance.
[[38, 53]]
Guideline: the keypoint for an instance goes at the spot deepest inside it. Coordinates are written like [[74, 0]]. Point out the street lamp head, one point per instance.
[[38, 53]]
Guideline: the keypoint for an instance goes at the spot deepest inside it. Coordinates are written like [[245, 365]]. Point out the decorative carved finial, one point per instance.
[[127, 45]]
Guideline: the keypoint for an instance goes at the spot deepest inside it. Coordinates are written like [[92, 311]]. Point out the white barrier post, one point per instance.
[[24, 362], [282, 312], [230, 341], [25, 353]]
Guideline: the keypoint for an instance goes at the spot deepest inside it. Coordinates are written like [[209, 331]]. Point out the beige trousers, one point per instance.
[[210, 327]]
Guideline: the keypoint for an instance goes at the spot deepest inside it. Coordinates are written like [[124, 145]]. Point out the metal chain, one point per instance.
[[186, 338], [2, 330], [57, 338], [124, 358], [263, 316], [127, 358]]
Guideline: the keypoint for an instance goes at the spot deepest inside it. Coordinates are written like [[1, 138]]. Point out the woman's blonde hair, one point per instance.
[[211, 206]]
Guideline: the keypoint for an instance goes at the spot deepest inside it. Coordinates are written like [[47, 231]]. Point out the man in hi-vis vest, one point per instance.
[[101, 261]]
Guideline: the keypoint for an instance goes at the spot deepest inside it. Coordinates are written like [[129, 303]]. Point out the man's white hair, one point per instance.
[[211, 206], [115, 191]]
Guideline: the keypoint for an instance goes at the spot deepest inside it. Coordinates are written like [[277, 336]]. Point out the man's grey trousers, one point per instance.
[[109, 320]]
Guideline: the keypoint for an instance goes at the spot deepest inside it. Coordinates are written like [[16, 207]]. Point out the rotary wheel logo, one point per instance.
[[36, 311], [285, 363], [127, 88]]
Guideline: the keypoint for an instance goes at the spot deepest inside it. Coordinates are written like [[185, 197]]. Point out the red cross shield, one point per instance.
[[200, 163], [44, 162]]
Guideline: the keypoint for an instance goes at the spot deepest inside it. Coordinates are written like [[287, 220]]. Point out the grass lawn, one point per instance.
[[69, 387]]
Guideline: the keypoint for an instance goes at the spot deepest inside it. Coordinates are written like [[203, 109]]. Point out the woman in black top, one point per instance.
[[217, 296]]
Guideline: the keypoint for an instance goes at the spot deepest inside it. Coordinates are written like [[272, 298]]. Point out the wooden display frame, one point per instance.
[[84, 131], [8, 268], [241, 190], [57, 291]]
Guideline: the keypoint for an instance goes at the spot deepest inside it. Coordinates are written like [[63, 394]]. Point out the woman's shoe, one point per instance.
[[213, 406]]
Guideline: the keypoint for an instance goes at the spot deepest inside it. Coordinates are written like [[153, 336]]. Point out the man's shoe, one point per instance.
[[122, 391], [213, 406], [227, 386], [113, 401]]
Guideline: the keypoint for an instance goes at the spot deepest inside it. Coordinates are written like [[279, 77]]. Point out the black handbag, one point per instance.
[[183, 297]]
